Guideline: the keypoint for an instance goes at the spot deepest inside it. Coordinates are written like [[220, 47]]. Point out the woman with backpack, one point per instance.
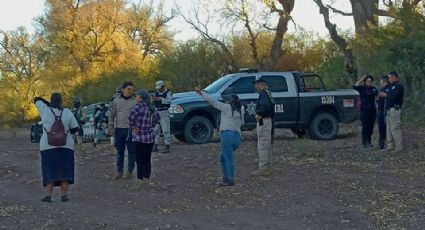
[[231, 119], [56, 145]]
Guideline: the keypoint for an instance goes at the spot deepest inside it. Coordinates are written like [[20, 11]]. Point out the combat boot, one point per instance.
[[167, 149], [261, 172]]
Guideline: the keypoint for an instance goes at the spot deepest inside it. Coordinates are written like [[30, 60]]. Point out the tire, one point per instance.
[[323, 126], [198, 130], [180, 137]]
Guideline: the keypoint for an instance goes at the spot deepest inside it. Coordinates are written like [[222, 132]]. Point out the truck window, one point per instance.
[[244, 85], [277, 83], [215, 86], [312, 82]]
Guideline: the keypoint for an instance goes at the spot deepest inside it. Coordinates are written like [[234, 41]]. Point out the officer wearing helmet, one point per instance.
[[100, 122], [162, 99], [78, 114]]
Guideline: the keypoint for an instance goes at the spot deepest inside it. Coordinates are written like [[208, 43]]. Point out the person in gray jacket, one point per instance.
[[231, 119], [118, 127]]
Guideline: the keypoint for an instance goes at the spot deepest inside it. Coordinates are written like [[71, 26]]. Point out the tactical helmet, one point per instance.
[[77, 102]]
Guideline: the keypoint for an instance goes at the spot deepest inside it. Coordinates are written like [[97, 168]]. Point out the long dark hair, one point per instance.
[[56, 101], [236, 105]]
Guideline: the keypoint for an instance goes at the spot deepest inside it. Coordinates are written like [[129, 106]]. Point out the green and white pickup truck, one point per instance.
[[302, 104]]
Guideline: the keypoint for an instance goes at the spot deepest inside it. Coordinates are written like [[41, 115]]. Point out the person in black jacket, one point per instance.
[[385, 87], [367, 92], [393, 103], [264, 114]]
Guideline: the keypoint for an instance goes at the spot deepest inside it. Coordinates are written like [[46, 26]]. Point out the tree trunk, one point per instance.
[[364, 15], [349, 59], [276, 51]]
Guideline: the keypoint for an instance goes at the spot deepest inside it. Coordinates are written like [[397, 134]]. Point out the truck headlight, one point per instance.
[[175, 109]]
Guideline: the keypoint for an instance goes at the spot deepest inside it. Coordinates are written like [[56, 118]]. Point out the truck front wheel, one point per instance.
[[198, 130], [323, 126]]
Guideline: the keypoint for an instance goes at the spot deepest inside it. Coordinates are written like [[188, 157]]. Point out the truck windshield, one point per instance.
[[215, 86]]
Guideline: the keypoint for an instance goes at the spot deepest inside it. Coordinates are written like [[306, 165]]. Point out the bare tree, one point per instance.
[[350, 64], [242, 12], [202, 28], [365, 14]]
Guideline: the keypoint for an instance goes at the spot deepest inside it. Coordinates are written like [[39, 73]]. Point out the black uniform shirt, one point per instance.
[[395, 95], [265, 106], [367, 96], [381, 100]]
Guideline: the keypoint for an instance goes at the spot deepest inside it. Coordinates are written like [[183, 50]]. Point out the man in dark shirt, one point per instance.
[[264, 114], [367, 92], [385, 87], [393, 104]]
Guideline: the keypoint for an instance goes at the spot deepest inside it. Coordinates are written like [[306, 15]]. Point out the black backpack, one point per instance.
[[57, 135]]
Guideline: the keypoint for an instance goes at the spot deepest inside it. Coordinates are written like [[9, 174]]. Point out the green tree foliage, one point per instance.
[[399, 46], [21, 74], [192, 63]]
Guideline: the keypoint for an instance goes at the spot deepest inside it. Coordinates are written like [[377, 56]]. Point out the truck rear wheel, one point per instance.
[[198, 130], [323, 126]]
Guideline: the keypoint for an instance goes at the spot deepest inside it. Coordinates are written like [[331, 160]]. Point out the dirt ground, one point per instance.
[[315, 185]]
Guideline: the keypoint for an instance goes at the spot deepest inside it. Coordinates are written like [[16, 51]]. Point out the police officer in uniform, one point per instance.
[[264, 114], [100, 123], [385, 87], [393, 103], [367, 92], [162, 99]]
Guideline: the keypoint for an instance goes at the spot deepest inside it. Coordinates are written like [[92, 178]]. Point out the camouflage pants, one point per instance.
[[264, 144], [164, 126], [394, 129]]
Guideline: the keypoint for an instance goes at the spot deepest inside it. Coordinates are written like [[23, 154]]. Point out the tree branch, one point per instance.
[[339, 11]]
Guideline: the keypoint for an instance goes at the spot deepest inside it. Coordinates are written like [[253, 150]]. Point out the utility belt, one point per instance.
[[396, 107], [261, 121]]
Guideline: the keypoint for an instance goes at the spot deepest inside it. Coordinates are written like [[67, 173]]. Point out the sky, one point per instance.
[[15, 13]]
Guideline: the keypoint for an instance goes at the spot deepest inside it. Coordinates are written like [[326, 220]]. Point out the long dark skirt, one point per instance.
[[57, 165]]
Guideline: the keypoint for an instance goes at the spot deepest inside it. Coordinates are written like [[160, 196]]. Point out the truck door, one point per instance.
[[286, 99]]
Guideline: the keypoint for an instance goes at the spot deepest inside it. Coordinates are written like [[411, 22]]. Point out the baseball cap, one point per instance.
[[159, 84]]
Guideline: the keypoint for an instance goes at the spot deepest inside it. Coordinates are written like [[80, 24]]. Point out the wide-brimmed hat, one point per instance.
[[230, 97], [143, 93], [260, 79]]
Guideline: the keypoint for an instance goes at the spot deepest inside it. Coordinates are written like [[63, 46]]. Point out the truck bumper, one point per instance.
[[177, 124]]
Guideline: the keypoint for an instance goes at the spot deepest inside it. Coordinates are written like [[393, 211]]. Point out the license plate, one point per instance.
[[348, 102]]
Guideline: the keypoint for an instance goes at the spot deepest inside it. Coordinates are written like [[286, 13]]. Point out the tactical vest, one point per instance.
[[158, 104]]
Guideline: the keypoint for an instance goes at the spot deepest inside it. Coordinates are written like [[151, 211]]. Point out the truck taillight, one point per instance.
[[358, 103]]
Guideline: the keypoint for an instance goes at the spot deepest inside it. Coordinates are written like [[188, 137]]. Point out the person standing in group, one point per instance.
[[368, 93], [385, 87], [57, 152], [231, 119], [142, 120], [118, 93], [100, 123], [78, 114], [118, 127], [264, 114], [393, 103], [162, 100]]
